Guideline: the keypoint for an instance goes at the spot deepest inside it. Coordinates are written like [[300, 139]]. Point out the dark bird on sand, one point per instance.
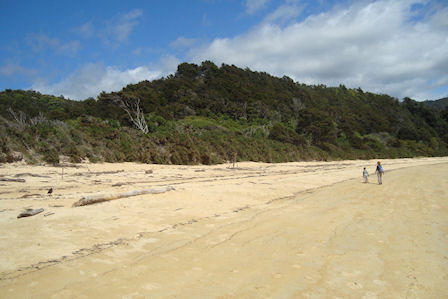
[[50, 191]]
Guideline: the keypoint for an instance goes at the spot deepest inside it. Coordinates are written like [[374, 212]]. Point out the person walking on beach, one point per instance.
[[365, 175], [379, 172]]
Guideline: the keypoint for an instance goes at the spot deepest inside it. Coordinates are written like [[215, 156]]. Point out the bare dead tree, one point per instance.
[[39, 119], [19, 117], [297, 105], [135, 113]]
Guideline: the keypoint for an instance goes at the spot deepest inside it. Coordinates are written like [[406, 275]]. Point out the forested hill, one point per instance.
[[209, 114], [439, 104]]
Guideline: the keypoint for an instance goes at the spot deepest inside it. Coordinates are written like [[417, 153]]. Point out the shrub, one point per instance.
[[282, 133], [51, 156]]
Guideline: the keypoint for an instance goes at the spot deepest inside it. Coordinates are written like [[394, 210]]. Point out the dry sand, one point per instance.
[[292, 230]]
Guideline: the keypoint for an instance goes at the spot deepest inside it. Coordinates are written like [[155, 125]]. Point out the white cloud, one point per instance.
[[183, 42], [119, 28], [284, 13], [252, 6], [381, 46], [206, 22], [13, 69], [168, 64], [90, 80], [86, 30], [138, 51], [42, 42], [112, 31]]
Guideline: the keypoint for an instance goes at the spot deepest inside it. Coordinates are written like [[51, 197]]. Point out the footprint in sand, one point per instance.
[[152, 240], [150, 286], [355, 285], [352, 273], [370, 295], [379, 282]]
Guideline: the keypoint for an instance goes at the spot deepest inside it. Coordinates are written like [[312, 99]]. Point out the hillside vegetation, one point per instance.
[[205, 114], [438, 104]]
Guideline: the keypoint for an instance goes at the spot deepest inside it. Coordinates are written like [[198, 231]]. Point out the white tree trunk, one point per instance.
[[135, 113]]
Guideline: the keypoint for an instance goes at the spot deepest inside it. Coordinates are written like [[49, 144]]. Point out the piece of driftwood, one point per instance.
[[12, 180], [92, 199], [30, 195], [68, 165], [122, 184], [32, 174], [99, 172], [30, 212]]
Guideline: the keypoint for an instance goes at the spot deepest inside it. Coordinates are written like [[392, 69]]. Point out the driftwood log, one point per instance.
[[92, 199], [90, 173], [32, 174], [30, 212], [12, 180]]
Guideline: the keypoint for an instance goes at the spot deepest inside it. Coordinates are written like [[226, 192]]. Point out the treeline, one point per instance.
[[209, 114]]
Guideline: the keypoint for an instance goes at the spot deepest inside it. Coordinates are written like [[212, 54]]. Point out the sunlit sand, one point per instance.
[[256, 230]]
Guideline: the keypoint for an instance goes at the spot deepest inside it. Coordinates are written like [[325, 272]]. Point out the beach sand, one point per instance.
[[290, 230]]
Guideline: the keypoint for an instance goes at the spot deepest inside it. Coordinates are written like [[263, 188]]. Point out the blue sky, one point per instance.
[[78, 49]]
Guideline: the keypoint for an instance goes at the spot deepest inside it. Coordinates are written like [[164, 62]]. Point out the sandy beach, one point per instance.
[[256, 230]]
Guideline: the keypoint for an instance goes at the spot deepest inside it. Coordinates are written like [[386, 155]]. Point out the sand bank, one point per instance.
[[310, 229]]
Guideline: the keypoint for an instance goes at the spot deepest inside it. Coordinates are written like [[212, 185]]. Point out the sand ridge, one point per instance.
[[226, 232]]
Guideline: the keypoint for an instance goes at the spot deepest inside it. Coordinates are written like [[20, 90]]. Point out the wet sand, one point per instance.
[[292, 230]]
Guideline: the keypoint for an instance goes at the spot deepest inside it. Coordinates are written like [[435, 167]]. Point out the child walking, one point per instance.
[[365, 175]]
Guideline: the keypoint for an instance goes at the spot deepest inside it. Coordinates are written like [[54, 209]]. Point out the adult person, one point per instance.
[[379, 172]]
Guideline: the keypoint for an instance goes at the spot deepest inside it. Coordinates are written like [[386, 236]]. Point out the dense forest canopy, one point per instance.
[[438, 104], [208, 114]]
